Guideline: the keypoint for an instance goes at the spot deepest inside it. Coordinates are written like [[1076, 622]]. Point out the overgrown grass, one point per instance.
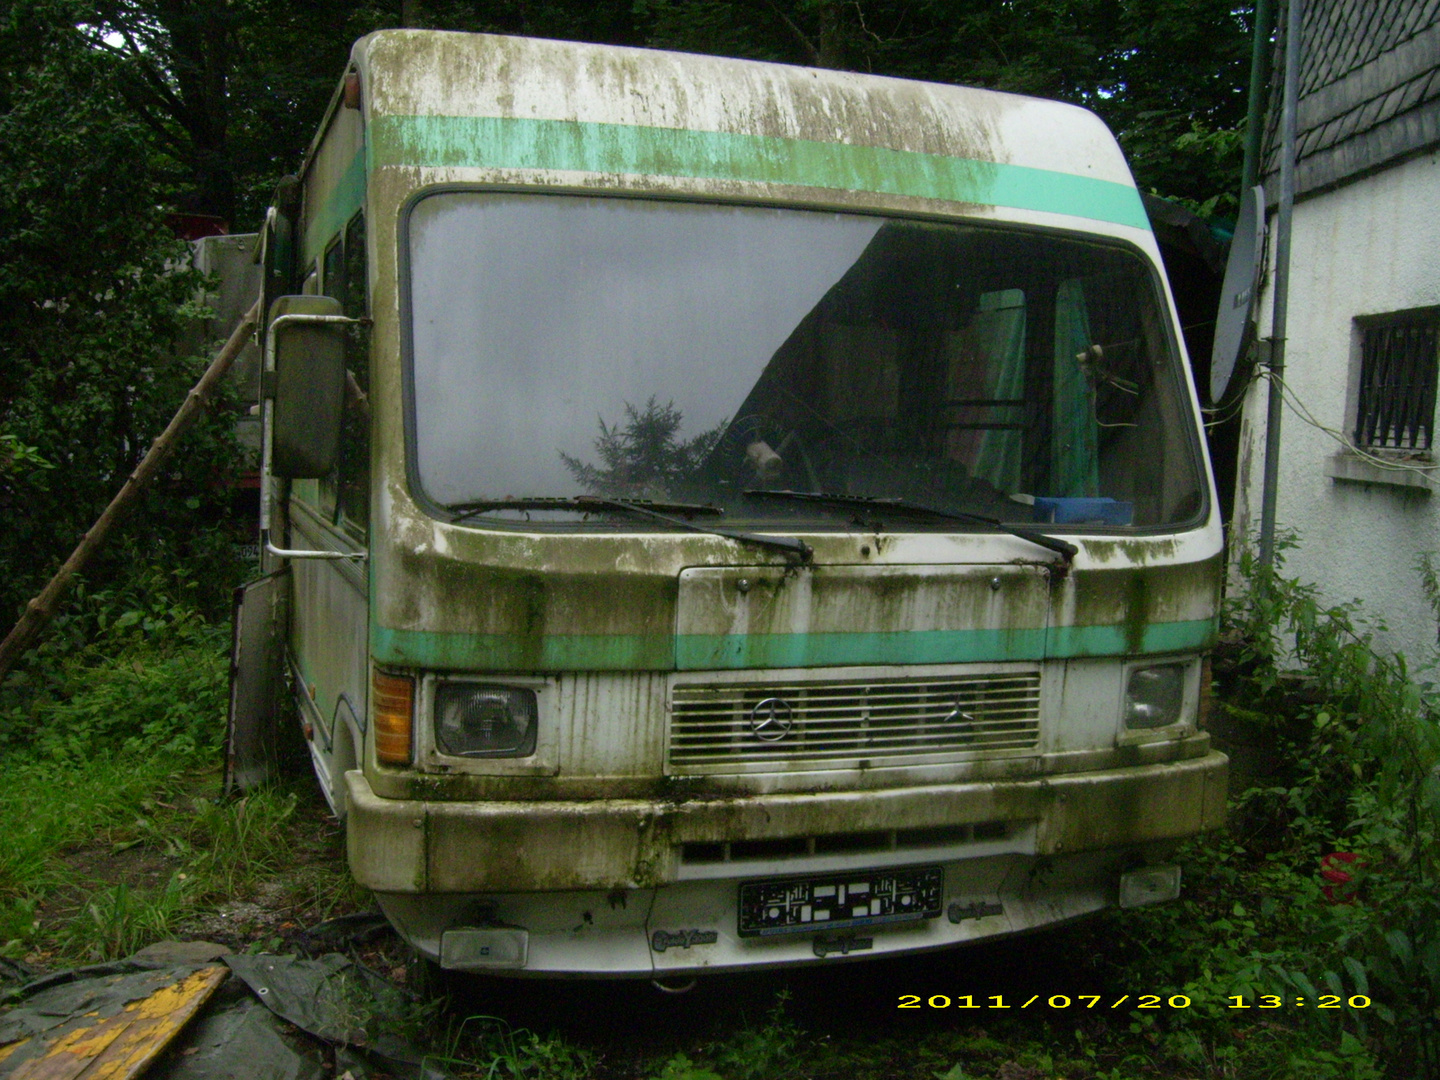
[[110, 742]]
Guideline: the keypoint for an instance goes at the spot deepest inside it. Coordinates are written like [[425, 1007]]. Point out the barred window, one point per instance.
[[1396, 409]]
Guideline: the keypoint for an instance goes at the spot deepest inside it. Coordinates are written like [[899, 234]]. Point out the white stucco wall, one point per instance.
[[1368, 248]]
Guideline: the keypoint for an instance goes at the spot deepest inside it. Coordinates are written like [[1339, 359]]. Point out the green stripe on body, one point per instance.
[[1065, 642], [508, 652], [574, 146], [707, 652]]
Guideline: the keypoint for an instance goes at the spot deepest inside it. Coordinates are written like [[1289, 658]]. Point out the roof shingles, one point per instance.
[[1369, 89]]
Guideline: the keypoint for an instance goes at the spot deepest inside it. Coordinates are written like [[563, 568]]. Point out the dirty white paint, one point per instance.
[[1364, 249]]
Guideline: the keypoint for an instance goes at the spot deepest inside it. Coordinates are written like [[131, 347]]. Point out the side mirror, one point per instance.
[[308, 385]]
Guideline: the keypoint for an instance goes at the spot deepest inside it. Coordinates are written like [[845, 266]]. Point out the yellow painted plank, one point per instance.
[[10, 1048], [122, 1046]]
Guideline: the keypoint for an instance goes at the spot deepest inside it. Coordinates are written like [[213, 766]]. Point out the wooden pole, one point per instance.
[[42, 608]]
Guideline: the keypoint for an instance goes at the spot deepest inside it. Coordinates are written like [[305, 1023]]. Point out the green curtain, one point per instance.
[[1074, 453], [999, 326]]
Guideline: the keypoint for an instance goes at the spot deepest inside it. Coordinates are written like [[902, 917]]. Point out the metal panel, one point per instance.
[[256, 682], [769, 617]]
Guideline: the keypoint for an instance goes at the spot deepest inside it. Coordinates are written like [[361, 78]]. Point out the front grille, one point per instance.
[[835, 722]]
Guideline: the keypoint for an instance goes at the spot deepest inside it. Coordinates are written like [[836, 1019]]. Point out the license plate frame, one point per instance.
[[811, 903]]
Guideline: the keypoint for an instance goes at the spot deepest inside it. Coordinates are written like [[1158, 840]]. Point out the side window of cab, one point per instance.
[[345, 493]]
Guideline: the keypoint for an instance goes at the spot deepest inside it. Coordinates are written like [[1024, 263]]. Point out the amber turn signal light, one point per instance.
[[392, 702]]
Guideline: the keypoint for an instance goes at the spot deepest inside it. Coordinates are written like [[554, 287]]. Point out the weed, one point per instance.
[[135, 674], [680, 1067], [760, 1053], [119, 920], [490, 1047], [323, 890], [239, 842]]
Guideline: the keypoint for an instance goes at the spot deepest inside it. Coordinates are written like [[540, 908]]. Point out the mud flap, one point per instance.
[[253, 739]]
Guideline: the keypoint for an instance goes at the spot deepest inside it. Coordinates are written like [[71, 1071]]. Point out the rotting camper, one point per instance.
[[725, 514]]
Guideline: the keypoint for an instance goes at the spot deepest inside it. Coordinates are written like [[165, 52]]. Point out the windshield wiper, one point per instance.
[[791, 546], [582, 503], [1067, 550]]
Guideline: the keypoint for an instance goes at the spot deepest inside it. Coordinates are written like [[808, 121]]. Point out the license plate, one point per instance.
[[831, 901]]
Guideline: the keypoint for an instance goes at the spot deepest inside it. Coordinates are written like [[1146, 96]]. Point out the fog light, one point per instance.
[[472, 720], [1154, 695]]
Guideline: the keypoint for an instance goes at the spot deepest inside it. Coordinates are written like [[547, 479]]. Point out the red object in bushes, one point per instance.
[[1339, 887]]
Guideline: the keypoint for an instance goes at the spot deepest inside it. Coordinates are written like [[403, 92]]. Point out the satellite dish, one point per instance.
[[1237, 295]]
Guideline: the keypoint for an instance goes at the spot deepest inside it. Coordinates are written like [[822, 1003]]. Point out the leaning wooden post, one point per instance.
[[42, 609]]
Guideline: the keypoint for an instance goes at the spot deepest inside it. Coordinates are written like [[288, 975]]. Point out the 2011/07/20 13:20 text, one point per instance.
[[1142, 1001]]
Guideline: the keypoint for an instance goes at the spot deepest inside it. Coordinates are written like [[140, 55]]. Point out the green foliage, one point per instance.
[[67, 822], [92, 302], [644, 459], [680, 1067], [1213, 156], [767, 1051], [1428, 567], [119, 920], [763, 1052], [231, 90], [20, 466], [131, 671], [232, 845], [1355, 750]]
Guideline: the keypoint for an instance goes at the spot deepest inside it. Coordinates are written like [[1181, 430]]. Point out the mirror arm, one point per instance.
[[300, 553]]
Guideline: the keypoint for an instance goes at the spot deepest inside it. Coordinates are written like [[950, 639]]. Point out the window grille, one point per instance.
[[1396, 409]]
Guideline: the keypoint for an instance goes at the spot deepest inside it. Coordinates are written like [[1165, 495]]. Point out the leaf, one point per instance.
[[1399, 946], [1358, 976], [1304, 985]]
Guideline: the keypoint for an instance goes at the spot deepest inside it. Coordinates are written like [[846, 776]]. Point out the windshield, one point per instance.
[[689, 353]]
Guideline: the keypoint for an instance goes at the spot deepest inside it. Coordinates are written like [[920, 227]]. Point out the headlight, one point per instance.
[[1154, 695], [473, 720]]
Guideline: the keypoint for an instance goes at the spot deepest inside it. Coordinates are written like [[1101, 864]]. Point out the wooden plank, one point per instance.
[[122, 1046]]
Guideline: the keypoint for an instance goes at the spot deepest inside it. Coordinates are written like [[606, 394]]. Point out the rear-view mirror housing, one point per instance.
[[309, 386]]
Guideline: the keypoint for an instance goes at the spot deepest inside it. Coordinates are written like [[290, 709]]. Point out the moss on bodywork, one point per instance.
[[460, 615], [530, 846], [1137, 610], [566, 108], [1152, 608], [458, 612], [1136, 550]]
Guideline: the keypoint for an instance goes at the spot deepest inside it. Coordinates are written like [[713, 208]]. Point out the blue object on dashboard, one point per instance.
[[1098, 511]]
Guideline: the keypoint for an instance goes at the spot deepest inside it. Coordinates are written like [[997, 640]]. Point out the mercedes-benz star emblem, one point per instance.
[[958, 713], [771, 719]]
